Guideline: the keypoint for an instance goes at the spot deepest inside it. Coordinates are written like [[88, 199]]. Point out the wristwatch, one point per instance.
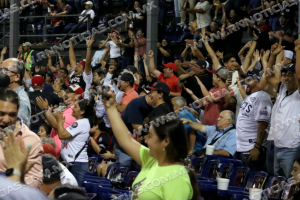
[[12, 171]]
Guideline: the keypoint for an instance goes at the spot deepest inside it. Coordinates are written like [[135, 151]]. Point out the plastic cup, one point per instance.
[[223, 183], [255, 193], [210, 150]]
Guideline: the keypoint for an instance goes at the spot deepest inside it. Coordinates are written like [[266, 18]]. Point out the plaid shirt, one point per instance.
[[101, 112]]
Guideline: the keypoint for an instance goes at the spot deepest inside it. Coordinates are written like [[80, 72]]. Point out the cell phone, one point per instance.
[[230, 75]]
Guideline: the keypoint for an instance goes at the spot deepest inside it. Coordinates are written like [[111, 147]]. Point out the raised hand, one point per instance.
[[90, 42], [150, 54], [43, 104], [4, 50], [278, 48]]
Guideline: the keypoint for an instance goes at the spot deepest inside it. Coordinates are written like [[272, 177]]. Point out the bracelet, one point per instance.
[[59, 57], [257, 148], [257, 144], [89, 48]]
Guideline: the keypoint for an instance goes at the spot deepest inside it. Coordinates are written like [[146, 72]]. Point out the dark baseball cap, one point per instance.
[[4, 80], [160, 86], [127, 77], [289, 68], [203, 64], [254, 73], [132, 68], [51, 168]]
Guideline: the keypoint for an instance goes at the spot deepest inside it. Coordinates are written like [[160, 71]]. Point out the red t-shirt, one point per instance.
[[212, 110], [171, 82]]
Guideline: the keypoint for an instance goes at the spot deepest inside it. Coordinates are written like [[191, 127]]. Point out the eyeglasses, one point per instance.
[[62, 72], [5, 70]]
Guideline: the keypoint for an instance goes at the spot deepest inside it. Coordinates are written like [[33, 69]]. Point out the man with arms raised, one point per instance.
[[167, 77]]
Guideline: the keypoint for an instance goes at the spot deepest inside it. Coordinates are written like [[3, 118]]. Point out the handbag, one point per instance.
[[202, 152]]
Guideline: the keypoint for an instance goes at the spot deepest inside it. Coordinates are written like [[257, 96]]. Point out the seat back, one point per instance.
[[210, 168], [224, 169], [129, 179], [91, 196], [111, 170], [238, 176], [273, 186], [92, 162], [290, 190], [198, 164], [117, 181], [256, 179]]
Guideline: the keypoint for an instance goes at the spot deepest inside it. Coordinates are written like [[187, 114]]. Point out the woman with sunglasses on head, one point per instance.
[[168, 146]]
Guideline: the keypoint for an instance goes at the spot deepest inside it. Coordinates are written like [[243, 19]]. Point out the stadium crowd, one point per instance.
[[148, 114]]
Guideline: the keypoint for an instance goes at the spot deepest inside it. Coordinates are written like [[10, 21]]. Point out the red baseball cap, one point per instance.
[[171, 65], [117, 32], [37, 81], [76, 89], [82, 63], [49, 149]]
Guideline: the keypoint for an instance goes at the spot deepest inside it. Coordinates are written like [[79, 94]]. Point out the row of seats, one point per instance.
[[241, 179], [206, 168]]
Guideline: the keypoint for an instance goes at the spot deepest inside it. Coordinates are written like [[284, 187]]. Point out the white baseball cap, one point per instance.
[[288, 54], [89, 3]]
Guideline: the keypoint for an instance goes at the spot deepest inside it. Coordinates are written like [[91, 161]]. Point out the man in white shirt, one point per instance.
[[98, 54], [115, 49], [285, 114], [254, 117], [202, 11], [88, 20], [82, 74]]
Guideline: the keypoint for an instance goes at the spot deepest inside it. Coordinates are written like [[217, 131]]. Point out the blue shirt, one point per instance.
[[226, 142], [200, 138]]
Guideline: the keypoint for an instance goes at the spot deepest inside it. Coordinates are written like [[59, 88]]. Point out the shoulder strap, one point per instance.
[[76, 156], [214, 140]]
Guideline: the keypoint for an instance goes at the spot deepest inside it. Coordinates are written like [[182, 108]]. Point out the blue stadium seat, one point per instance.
[[92, 163], [209, 169], [198, 163], [129, 179], [92, 196], [272, 182], [290, 190]]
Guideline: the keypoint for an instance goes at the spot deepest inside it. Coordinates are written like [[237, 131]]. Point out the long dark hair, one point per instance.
[[178, 147], [88, 108]]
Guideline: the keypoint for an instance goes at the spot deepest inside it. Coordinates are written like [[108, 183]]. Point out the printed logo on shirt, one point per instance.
[[65, 145], [136, 188], [264, 111], [251, 141], [100, 139], [252, 99], [74, 125]]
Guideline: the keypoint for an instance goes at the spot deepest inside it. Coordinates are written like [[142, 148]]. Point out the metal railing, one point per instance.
[[45, 26]]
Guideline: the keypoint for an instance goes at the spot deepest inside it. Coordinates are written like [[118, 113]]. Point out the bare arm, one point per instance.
[[203, 88], [162, 50], [3, 52], [210, 51], [61, 62], [194, 125], [88, 66], [148, 76], [297, 50], [153, 70], [247, 61], [184, 51], [95, 146], [122, 134], [221, 152], [72, 56]]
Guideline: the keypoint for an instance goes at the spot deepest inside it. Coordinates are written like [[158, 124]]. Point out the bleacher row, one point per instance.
[[206, 169]]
